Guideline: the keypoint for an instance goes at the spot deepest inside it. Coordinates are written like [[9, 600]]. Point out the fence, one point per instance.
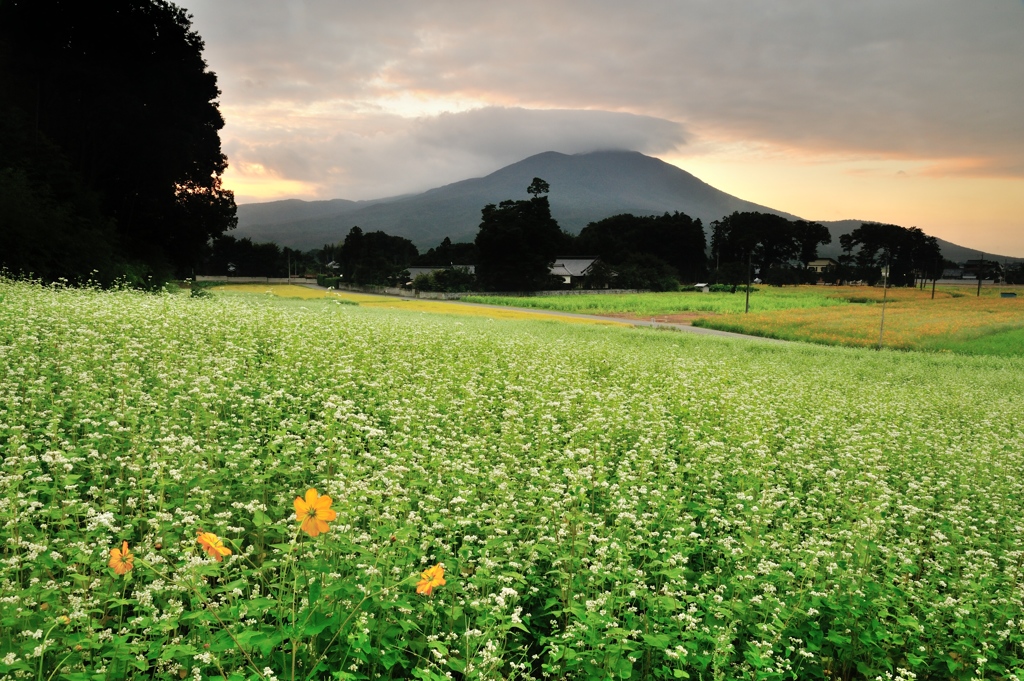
[[258, 280], [412, 293], [444, 295]]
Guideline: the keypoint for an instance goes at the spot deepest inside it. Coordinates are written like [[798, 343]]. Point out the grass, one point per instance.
[[406, 304], [643, 305], [955, 321], [604, 502]]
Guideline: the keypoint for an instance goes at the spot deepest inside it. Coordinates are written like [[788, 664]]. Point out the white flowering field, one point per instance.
[[508, 499]]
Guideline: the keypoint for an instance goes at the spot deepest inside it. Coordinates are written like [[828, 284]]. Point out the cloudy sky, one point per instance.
[[905, 111]]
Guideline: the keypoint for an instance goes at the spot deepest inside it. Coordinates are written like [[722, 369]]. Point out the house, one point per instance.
[[953, 273], [822, 264], [989, 269], [573, 270]]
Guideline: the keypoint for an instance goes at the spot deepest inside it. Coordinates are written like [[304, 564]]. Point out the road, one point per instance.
[[686, 328]]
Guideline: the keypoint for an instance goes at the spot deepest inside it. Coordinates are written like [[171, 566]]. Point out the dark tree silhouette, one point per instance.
[[375, 258], [910, 253], [1015, 273], [517, 244], [770, 243], [538, 187], [121, 88], [670, 245], [447, 253], [810, 235], [51, 225]]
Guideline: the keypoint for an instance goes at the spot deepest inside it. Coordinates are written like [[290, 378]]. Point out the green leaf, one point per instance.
[[260, 519], [838, 638], [659, 641], [317, 623]]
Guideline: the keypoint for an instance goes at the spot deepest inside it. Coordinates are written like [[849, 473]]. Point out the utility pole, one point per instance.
[[885, 291], [747, 310], [981, 270]]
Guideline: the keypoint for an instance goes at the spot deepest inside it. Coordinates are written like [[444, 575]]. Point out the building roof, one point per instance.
[[572, 267]]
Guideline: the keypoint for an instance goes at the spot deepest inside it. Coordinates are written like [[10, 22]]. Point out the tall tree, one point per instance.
[[774, 245], [375, 258], [51, 225], [517, 244], [908, 252], [447, 253], [673, 239], [810, 235], [538, 187], [121, 88]]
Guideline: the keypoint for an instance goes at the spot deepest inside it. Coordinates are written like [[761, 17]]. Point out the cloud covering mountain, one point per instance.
[[908, 108], [584, 188]]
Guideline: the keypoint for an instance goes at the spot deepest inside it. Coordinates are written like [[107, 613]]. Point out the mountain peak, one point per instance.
[[584, 188]]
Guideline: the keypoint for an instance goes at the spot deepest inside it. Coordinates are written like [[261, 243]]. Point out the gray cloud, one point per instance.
[[393, 155], [924, 79], [508, 133]]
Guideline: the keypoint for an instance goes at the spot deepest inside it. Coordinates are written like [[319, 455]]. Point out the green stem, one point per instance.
[[295, 589], [57, 668], [209, 607], [351, 615], [42, 654]]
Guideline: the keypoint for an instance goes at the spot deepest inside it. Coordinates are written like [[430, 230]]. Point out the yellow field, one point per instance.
[[955, 320], [412, 305]]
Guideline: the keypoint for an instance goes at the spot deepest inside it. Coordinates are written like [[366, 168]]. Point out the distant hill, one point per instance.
[[950, 251], [584, 188]]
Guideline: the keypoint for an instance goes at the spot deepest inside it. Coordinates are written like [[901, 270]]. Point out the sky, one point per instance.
[[901, 111]]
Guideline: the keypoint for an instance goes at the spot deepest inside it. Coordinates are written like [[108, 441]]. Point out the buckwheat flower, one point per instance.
[[314, 512], [213, 546], [121, 560], [430, 579]]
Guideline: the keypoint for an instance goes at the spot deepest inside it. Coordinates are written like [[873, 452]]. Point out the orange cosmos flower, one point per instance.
[[430, 580], [122, 560], [314, 512], [213, 546]]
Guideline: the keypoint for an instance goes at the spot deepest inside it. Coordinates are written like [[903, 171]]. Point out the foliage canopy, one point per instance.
[[517, 243], [121, 94]]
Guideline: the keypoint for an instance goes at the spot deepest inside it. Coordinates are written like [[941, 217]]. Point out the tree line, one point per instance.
[[518, 240], [111, 166], [110, 157]]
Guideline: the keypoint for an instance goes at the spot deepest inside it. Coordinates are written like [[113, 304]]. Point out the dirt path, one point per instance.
[[679, 319], [681, 322]]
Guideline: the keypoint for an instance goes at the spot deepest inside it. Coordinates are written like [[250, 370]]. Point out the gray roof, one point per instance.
[[572, 267]]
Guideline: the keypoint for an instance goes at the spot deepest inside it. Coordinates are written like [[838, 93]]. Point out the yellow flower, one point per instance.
[[430, 579], [213, 546], [314, 512], [121, 559]]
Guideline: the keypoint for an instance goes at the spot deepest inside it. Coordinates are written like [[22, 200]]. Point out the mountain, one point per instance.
[[584, 188]]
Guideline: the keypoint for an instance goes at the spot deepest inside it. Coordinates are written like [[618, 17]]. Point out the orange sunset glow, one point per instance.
[[903, 113]]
